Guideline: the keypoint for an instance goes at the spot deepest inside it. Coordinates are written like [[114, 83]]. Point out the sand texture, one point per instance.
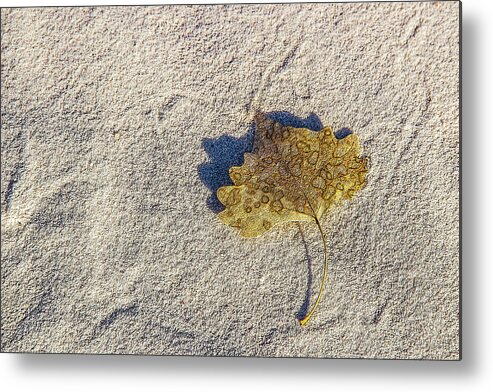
[[119, 123]]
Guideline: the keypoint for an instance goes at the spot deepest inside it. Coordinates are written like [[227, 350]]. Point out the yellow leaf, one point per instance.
[[292, 174]]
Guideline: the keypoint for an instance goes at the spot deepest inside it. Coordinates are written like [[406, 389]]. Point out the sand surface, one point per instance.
[[119, 123]]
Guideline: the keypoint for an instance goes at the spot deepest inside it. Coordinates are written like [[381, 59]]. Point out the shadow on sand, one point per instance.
[[226, 151]]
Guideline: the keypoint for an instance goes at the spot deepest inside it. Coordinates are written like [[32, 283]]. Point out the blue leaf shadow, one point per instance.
[[290, 120], [223, 152], [226, 151]]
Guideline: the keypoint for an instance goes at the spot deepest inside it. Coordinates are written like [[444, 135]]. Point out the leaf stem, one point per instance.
[[305, 320]]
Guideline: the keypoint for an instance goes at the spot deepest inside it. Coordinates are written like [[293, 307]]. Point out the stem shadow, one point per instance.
[[302, 312]]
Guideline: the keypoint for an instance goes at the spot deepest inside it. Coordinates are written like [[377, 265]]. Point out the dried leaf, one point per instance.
[[293, 174]]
